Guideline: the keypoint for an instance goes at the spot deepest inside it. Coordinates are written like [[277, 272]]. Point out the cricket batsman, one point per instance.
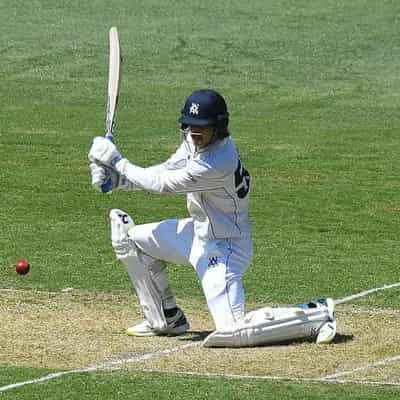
[[215, 239]]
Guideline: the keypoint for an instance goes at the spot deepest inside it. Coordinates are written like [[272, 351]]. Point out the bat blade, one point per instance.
[[113, 81], [114, 75]]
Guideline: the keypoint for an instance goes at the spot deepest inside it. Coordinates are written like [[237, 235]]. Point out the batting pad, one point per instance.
[[139, 269], [271, 325]]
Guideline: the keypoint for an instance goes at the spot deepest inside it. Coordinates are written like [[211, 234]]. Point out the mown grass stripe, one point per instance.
[[112, 364]]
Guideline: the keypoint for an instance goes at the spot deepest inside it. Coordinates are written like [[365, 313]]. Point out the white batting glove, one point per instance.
[[103, 151], [98, 174], [104, 179]]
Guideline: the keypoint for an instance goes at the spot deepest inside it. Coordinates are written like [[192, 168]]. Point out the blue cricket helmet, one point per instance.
[[205, 107]]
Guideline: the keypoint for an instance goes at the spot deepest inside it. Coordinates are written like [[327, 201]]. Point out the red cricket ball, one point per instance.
[[22, 267]]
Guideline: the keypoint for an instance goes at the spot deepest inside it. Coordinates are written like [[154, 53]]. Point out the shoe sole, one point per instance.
[[179, 330], [329, 327], [327, 333], [141, 334]]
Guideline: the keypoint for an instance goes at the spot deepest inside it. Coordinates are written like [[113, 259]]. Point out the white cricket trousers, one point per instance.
[[220, 264]]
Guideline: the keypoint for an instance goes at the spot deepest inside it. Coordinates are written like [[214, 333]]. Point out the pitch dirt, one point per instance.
[[71, 330], [78, 329]]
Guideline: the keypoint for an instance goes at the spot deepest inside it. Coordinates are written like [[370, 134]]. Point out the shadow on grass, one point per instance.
[[197, 336], [343, 338]]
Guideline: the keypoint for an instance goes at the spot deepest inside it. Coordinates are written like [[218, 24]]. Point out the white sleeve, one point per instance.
[[194, 176], [156, 169], [175, 161], [179, 158]]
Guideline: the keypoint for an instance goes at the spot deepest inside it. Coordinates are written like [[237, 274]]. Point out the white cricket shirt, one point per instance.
[[216, 184]]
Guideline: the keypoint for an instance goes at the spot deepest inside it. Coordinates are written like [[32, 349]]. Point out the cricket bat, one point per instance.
[[114, 75]]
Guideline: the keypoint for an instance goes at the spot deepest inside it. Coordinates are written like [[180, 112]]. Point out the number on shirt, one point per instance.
[[242, 181]]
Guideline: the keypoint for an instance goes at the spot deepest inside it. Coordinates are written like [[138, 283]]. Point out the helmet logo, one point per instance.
[[194, 109]]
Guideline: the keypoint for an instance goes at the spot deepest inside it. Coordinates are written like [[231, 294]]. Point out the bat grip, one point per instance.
[[109, 136], [107, 185]]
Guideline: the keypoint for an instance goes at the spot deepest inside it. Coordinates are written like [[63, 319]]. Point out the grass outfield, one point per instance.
[[124, 385], [313, 91]]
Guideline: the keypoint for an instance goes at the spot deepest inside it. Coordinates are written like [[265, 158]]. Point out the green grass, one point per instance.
[[123, 385], [11, 375], [313, 91]]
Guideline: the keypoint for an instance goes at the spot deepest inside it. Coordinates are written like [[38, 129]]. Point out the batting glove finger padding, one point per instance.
[[98, 175], [102, 174], [104, 151]]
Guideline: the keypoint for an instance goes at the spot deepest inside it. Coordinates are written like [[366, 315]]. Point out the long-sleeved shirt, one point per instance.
[[214, 180]]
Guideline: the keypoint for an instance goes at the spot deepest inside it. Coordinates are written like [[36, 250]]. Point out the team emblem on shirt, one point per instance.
[[212, 261], [194, 109]]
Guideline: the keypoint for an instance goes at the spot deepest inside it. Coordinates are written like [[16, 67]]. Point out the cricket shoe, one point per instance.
[[177, 325], [327, 331]]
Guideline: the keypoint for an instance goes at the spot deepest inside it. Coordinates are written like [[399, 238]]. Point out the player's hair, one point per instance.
[[222, 132]]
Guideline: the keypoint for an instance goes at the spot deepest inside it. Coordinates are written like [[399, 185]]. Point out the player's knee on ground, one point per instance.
[[271, 325]]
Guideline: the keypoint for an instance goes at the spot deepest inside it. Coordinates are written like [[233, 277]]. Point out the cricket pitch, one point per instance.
[[77, 329]]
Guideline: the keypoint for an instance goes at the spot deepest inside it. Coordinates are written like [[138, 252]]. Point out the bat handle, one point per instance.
[[107, 185], [109, 136]]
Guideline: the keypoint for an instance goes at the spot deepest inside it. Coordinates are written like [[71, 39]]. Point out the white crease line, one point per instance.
[[363, 382], [378, 363], [111, 364], [267, 377], [227, 375], [149, 356], [146, 356], [365, 293]]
